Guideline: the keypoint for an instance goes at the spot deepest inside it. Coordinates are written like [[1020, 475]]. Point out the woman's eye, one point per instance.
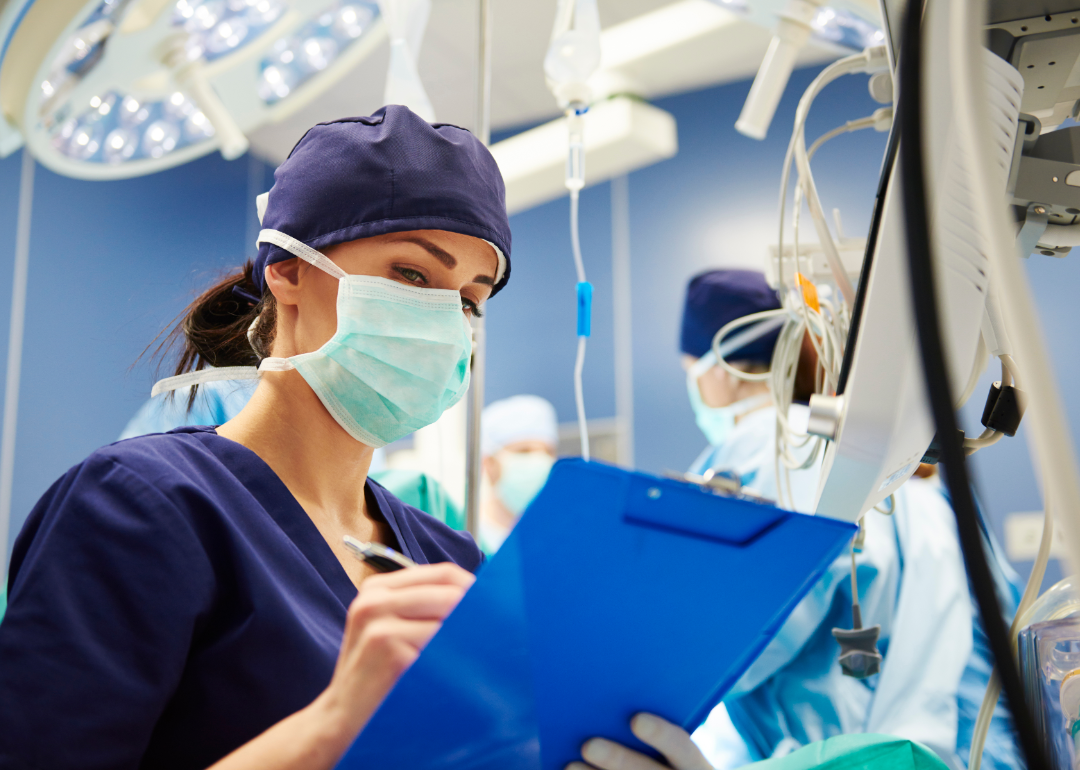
[[471, 308], [410, 275]]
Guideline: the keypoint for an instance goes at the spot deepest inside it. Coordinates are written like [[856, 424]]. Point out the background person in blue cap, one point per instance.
[[720, 401], [911, 579]]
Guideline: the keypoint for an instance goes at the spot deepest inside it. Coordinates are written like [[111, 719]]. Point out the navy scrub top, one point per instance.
[[169, 600]]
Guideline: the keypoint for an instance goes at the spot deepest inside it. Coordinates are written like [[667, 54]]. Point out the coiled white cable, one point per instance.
[[869, 60], [826, 325], [993, 687]]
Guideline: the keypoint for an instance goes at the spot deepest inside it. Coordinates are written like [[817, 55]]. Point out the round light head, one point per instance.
[[119, 88]]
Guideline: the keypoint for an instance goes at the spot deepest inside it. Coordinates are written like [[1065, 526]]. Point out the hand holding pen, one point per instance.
[[392, 618]]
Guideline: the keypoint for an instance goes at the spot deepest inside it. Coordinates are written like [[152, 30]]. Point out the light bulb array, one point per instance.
[[844, 28], [80, 53], [125, 126], [118, 128], [736, 6], [311, 49], [219, 27], [830, 25]]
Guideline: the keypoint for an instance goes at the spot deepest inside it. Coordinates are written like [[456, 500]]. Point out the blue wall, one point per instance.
[[112, 263], [1003, 473]]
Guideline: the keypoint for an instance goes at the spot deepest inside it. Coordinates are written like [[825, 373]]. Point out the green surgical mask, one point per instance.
[[716, 422], [521, 477], [398, 360]]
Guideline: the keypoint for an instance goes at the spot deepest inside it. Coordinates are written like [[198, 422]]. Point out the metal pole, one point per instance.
[[255, 181], [473, 459], [15, 343], [624, 335], [483, 80]]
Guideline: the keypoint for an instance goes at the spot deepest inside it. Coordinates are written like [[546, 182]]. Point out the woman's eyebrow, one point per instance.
[[440, 254]]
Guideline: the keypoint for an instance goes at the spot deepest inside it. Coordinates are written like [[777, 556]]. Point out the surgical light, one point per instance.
[[294, 60], [738, 6], [218, 27], [126, 87], [312, 49], [796, 24], [843, 28]]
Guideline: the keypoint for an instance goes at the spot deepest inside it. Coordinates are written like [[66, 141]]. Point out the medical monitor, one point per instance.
[[885, 426]]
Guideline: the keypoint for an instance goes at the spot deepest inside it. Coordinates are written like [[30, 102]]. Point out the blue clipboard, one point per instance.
[[616, 593]]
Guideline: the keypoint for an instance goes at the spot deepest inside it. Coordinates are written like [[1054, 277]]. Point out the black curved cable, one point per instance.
[[928, 324]]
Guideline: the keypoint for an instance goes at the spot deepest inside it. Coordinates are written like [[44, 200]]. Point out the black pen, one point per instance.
[[378, 556]]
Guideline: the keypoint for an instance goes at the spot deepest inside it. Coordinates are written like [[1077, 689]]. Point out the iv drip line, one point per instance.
[[575, 180]]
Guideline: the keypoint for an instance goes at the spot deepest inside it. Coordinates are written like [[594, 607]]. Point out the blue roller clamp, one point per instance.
[[618, 592], [584, 309]]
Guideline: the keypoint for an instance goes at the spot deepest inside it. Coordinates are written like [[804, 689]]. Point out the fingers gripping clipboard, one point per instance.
[[617, 592]]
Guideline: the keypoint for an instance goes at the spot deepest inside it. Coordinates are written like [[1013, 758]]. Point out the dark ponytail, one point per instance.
[[213, 330]]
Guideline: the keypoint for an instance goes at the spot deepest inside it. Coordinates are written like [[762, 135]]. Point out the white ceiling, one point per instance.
[[519, 95]]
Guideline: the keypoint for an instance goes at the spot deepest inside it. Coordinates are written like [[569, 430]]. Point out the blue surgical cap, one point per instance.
[[390, 172], [717, 297]]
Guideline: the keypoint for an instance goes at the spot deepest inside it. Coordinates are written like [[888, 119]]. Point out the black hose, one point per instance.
[[928, 324]]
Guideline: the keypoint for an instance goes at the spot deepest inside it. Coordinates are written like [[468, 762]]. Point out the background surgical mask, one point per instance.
[[522, 475], [716, 422]]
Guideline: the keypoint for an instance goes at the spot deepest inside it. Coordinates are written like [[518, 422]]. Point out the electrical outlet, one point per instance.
[[1023, 531]]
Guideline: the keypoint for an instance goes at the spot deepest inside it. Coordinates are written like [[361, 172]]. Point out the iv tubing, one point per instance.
[[575, 240], [579, 363], [848, 65], [993, 687]]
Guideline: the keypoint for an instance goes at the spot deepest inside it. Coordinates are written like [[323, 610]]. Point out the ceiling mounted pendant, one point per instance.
[[110, 89]]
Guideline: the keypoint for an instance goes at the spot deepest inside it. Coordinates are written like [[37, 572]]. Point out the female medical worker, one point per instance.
[[911, 582], [183, 600]]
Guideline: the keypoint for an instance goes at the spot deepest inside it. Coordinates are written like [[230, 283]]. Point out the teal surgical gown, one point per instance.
[[912, 583]]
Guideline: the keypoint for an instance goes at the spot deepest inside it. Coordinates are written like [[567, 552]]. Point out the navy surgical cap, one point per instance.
[[388, 173], [716, 298]]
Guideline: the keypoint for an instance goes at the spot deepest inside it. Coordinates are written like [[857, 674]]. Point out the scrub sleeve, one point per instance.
[[169, 600]]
